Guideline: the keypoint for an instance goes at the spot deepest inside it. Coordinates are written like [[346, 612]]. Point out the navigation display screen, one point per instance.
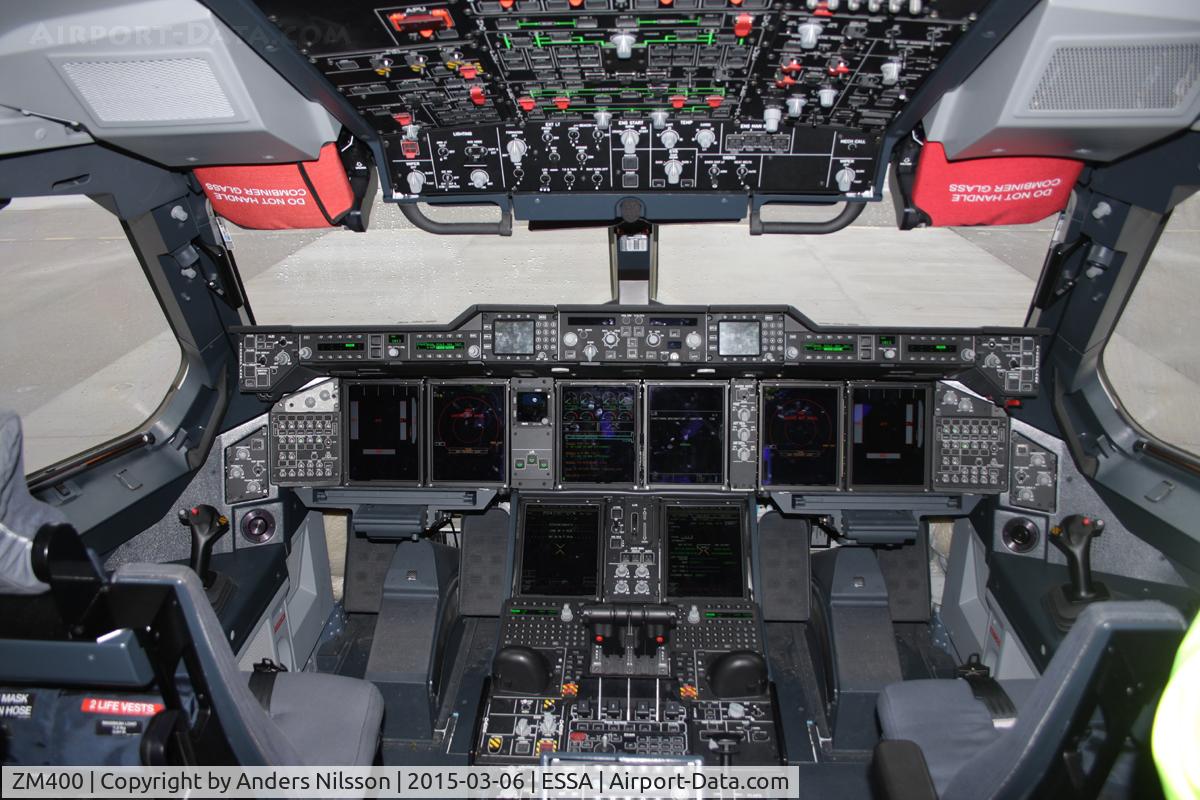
[[513, 337], [468, 430], [560, 550], [736, 338], [598, 433], [704, 551], [685, 430], [887, 435], [800, 435], [383, 432]]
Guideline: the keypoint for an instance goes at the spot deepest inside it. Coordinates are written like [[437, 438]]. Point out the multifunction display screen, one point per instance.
[[560, 550], [800, 435], [383, 432], [685, 434], [513, 337], [704, 551], [887, 435], [468, 433], [736, 338], [598, 433]]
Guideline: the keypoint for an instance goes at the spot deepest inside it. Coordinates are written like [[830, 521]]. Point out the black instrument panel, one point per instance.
[[810, 437], [581, 97], [658, 341]]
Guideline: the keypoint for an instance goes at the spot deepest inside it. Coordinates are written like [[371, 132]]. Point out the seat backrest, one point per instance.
[[252, 735], [1123, 646]]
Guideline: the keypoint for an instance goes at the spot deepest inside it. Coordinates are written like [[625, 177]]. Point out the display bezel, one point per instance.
[[840, 420], [561, 388], [519, 545], [664, 511], [849, 405], [505, 414], [724, 482], [422, 423]]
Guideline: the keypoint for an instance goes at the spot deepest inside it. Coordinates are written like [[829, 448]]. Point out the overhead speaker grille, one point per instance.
[[167, 90], [1113, 78]]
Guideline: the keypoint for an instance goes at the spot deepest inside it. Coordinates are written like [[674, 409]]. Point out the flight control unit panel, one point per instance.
[[487, 97]]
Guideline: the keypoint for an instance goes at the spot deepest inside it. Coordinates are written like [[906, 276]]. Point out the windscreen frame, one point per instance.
[[839, 421], [523, 506], [431, 479], [664, 511], [561, 388], [928, 439], [421, 424], [648, 386]]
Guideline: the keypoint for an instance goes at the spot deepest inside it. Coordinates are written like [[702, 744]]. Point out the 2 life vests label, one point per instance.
[[120, 708]]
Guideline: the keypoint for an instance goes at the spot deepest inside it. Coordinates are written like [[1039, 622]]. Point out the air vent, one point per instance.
[[162, 91], [1118, 78]]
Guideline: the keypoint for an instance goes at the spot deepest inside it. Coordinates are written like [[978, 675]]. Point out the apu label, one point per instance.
[[16, 705], [123, 708]]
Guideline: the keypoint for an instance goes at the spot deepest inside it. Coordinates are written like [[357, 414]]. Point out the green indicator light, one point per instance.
[[828, 347]]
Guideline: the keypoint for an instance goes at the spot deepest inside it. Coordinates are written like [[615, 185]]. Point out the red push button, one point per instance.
[[468, 71], [562, 103], [527, 104], [411, 148], [477, 95], [714, 100], [677, 101], [743, 25], [507, 4]]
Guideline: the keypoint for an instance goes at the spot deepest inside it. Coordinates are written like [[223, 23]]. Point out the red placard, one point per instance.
[[310, 194], [991, 191]]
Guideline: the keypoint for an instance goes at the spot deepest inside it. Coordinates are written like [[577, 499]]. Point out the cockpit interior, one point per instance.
[[724, 383]]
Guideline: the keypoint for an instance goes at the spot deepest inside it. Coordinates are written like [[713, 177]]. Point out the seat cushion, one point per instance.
[[329, 719], [942, 717]]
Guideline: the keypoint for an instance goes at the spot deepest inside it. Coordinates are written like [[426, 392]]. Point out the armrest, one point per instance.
[[898, 772]]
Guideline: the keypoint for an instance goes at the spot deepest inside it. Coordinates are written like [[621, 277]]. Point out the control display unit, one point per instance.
[[598, 433], [889, 427], [685, 433], [704, 551], [560, 550], [801, 435], [468, 432]]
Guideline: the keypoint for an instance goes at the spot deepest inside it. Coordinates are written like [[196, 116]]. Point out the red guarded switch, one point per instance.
[[469, 71], [411, 148], [477, 95], [562, 103], [403, 118], [507, 4], [677, 101], [527, 104], [792, 67], [575, 3], [714, 100], [426, 24], [743, 25]]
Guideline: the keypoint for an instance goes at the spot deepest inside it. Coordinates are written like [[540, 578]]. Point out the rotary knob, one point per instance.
[[473, 351], [624, 43], [669, 138], [306, 352], [479, 178], [629, 141], [744, 415], [889, 353], [693, 340], [610, 339], [653, 339], [416, 180], [743, 454], [705, 138], [673, 169], [570, 338], [516, 151], [590, 351], [622, 587], [393, 352], [622, 571], [642, 571], [744, 434]]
